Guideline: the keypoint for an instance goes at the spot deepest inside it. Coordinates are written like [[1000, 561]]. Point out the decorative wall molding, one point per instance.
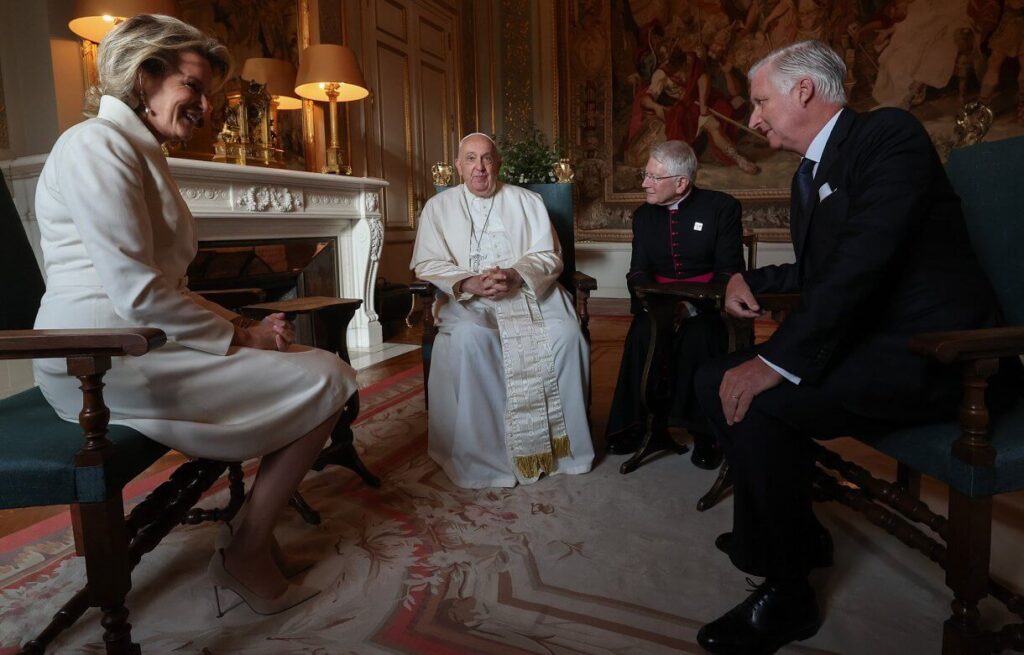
[[516, 68], [201, 193], [5, 138], [376, 225], [328, 199], [372, 202], [261, 198], [766, 218], [376, 237]]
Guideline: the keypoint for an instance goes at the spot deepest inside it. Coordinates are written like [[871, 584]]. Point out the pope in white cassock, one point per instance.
[[510, 368]]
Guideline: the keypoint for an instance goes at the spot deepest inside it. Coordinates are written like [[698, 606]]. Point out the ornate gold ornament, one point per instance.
[[248, 136], [442, 172], [972, 124], [563, 172]]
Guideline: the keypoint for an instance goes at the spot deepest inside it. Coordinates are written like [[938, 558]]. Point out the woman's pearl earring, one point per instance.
[[142, 99]]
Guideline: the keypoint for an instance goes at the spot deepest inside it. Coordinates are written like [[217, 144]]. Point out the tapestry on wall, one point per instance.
[[643, 71]]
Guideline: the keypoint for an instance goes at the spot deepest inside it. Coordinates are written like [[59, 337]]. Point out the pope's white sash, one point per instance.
[[534, 424]]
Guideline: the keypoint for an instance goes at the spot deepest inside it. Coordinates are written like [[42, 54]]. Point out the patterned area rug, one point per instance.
[[600, 563]]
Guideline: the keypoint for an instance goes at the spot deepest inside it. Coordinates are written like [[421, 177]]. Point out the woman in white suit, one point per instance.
[[117, 239]]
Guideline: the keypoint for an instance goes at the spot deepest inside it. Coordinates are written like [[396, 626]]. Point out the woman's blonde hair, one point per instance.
[[152, 43]]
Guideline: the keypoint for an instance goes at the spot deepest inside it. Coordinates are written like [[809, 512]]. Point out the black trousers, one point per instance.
[[772, 466]]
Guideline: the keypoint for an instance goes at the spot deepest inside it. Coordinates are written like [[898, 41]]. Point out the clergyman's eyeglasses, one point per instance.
[[644, 176]]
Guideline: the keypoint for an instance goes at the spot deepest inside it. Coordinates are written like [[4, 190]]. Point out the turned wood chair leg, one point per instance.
[[427, 345], [305, 510], [342, 451], [719, 490], [654, 440], [108, 570], [908, 479], [968, 552], [117, 636]]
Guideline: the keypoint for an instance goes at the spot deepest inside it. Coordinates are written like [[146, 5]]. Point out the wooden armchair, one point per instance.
[[558, 201], [47, 461], [978, 456]]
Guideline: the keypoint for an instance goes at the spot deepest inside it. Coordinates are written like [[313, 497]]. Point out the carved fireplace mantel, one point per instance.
[[236, 203]]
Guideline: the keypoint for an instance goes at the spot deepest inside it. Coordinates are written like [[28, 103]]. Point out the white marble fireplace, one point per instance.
[[250, 203]]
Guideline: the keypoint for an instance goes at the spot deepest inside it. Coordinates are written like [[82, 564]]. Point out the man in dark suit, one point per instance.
[[682, 233], [882, 253]]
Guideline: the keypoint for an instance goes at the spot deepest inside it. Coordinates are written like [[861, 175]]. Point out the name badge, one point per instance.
[[697, 227]]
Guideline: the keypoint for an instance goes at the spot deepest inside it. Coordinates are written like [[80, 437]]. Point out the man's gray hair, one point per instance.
[[811, 59], [677, 157], [153, 43]]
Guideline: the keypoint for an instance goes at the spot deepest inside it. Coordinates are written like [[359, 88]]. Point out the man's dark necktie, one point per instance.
[[805, 185]]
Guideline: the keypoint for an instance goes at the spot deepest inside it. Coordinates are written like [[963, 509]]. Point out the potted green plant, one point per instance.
[[530, 160]]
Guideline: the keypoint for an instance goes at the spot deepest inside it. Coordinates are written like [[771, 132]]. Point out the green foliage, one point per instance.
[[529, 160]]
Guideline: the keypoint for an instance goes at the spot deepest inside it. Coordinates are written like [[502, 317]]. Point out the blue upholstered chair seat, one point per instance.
[[927, 449], [37, 456]]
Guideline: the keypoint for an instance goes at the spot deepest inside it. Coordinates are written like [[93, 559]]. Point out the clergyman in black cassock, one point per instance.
[[683, 232]]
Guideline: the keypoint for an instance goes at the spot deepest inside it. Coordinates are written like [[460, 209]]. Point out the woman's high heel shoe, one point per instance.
[[222, 580], [290, 565]]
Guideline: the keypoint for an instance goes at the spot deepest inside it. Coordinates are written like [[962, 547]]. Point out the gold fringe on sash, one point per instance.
[[531, 466], [560, 447]]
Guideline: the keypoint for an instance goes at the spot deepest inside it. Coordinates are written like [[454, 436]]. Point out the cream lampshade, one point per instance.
[[94, 18], [330, 72]]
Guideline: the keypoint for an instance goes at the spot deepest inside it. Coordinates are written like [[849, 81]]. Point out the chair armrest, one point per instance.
[[684, 290], [297, 306], [583, 282], [778, 302], [233, 298], [770, 302], [422, 288], [33, 344], [967, 345]]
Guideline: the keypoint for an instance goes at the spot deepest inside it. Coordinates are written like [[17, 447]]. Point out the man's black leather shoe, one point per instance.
[[771, 617], [706, 454], [821, 557]]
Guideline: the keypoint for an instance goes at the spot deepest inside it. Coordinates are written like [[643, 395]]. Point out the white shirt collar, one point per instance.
[[686, 195], [817, 147], [476, 202]]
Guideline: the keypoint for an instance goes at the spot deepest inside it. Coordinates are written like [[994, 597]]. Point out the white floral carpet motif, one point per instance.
[[600, 564]]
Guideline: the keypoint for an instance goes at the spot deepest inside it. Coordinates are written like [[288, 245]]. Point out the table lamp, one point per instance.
[[94, 18], [279, 78], [330, 72]]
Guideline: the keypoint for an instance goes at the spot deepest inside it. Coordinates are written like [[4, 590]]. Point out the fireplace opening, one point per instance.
[[281, 268]]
